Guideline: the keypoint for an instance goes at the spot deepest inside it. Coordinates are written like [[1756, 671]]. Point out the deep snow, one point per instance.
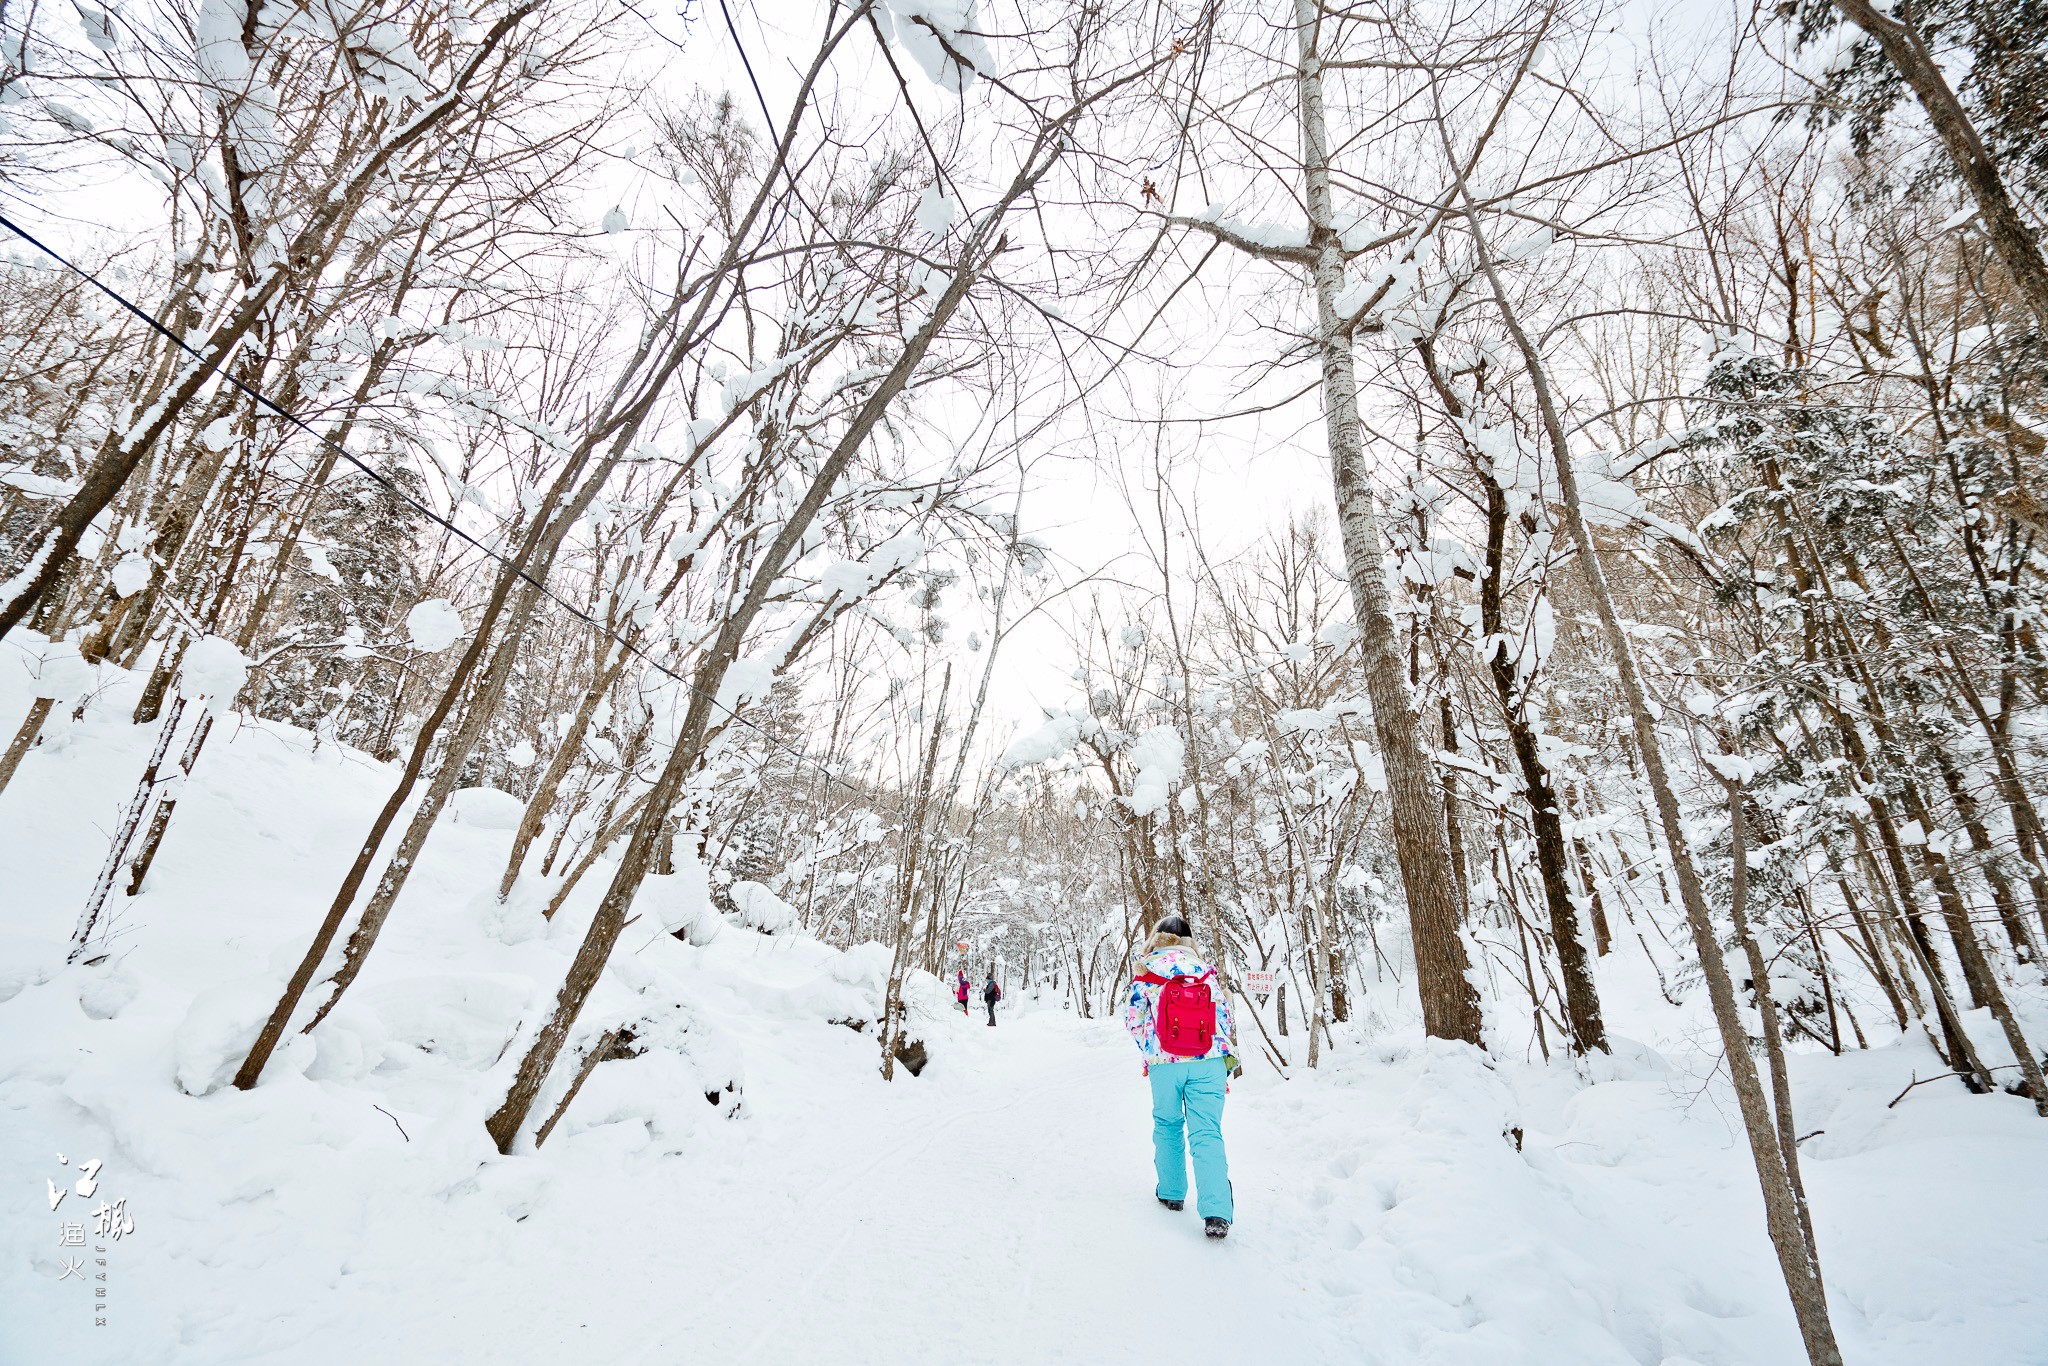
[[996, 1209]]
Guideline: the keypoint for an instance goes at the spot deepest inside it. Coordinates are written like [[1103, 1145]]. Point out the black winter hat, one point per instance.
[[1174, 925]]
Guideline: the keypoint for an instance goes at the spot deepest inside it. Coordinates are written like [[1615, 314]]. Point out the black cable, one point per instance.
[[295, 420], [767, 119]]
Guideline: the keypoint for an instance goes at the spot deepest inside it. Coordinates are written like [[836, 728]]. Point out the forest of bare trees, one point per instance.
[[695, 460]]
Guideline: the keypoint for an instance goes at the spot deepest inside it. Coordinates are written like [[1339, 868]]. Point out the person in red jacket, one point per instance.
[[960, 991]]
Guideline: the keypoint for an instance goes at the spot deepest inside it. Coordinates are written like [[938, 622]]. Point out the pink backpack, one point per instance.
[[1186, 1015]]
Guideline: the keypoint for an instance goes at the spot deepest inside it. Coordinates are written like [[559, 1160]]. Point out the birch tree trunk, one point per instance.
[[1450, 1005]]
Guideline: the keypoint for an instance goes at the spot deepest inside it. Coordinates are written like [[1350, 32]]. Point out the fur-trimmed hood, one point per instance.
[[1162, 940]]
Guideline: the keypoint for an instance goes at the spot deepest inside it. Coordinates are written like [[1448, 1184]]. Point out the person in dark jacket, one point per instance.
[[990, 994]]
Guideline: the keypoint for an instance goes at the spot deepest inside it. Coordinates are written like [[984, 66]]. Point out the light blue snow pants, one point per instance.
[[1189, 1095]]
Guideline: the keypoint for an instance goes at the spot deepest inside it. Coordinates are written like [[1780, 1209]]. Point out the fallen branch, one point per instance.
[[1919, 1080]]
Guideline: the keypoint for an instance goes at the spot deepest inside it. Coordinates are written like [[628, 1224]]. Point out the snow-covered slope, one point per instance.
[[750, 1190]]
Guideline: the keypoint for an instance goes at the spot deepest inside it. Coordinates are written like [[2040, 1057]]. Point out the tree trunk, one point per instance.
[[1798, 1258], [1880, 962], [24, 738], [1454, 828], [1450, 1005], [1581, 996], [544, 791], [2026, 820], [1767, 1009], [1910, 927], [608, 831], [161, 821], [477, 718], [121, 454], [124, 835], [2002, 897], [906, 909], [2011, 238]]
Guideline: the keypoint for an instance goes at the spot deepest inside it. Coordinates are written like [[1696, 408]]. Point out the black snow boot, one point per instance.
[[1216, 1228], [1175, 1205]]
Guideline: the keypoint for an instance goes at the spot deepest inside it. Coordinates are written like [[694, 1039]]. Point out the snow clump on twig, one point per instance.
[[434, 625]]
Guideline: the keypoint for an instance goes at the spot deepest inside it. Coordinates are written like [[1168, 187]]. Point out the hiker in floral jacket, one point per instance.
[[1175, 993]]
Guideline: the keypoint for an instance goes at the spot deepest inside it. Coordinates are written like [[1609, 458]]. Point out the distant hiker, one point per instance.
[[960, 991], [990, 994], [1181, 1021]]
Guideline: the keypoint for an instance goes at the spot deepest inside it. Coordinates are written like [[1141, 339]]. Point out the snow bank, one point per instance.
[[332, 1190], [1443, 1206], [760, 909], [53, 668], [681, 902], [107, 990], [486, 808], [456, 1016], [27, 962], [219, 1028], [851, 989], [1408, 1202]]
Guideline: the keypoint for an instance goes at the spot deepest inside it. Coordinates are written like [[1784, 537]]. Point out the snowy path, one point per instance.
[[997, 1209]]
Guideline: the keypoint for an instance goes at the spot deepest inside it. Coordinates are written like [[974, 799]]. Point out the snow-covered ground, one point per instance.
[[996, 1209]]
